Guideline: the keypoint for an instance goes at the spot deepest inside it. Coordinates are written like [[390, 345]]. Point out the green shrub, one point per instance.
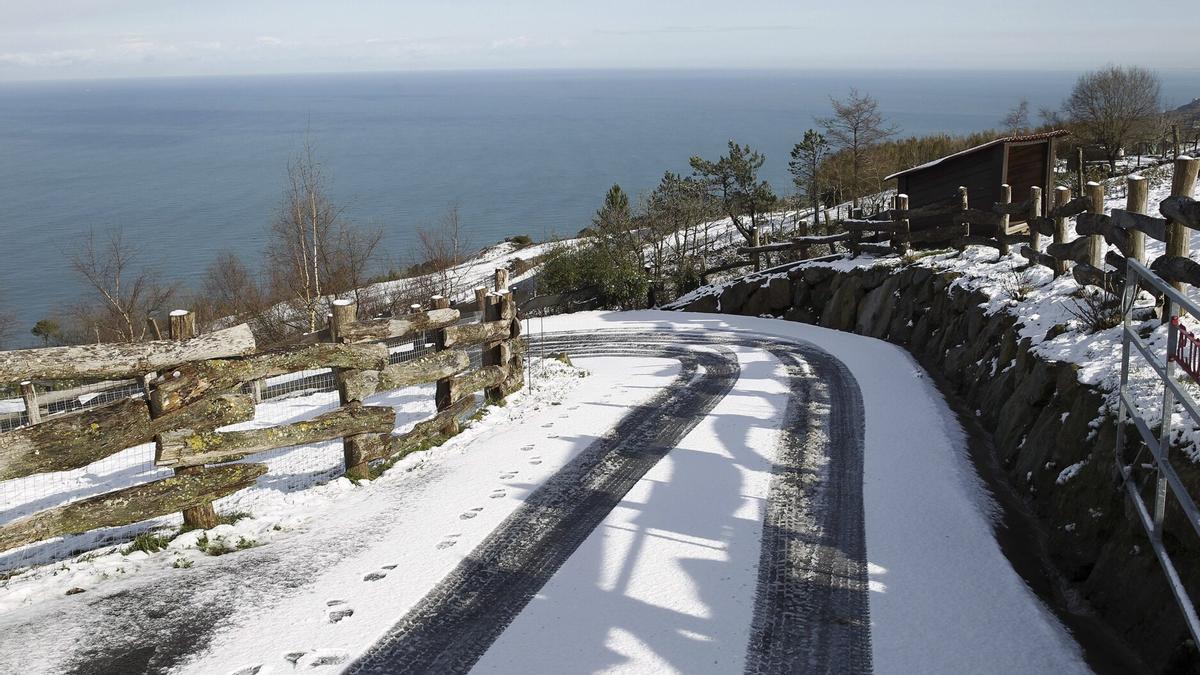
[[617, 276]]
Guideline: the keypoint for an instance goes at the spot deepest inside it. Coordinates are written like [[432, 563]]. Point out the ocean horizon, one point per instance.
[[187, 167]]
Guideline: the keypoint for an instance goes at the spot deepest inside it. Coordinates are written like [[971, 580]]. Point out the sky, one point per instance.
[[84, 39]]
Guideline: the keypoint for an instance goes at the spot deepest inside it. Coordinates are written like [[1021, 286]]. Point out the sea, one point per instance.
[[188, 167]]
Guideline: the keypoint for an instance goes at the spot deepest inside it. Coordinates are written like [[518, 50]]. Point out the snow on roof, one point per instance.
[[1025, 138]]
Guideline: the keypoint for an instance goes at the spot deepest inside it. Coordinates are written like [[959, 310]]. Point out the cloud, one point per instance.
[[268, 40], [705, 29]]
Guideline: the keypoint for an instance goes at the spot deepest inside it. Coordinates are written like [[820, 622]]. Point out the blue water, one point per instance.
[[190, 166]]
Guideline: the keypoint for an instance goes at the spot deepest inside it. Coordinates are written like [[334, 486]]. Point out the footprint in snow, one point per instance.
[[508, 475], [293, 657], [526, 448], [547, 425], [248, 670], [375, 576], [535, 460], [324, 657], [338, 611], [467, 515], [389, 567], [450, 540], [496, 494]]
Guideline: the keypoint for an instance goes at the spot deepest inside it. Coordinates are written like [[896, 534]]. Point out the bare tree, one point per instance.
[[300, 234], [855, 126], [1113, 107], [230, 291], [443, 249], [126, 292], [1017, 119], [348, 258]]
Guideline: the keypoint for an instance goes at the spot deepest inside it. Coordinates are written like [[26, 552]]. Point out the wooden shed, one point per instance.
[[1019, 161]]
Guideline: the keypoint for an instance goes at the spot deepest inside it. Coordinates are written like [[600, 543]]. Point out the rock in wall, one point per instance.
[[1041, 418]]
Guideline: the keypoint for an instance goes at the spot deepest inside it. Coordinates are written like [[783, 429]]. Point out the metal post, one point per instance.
[[1168, 406]]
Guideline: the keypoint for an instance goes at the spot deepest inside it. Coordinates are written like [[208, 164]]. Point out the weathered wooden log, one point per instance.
[[938, 234], [1100, 224], [131, 505], [1042, 225], [121, 360], [860, 225], [73, 441], [1039, 258], [1011, 209], [476, 380], [1096, 251], [1070, 208], [385, 446], [796, 242], [1086, 275], [190, 447], [1181, 209], [977, 217], [385, 329], [422, 370], [470, 334], [1177, 269], [188, 383], [1075, 251], [1155, 228], [901, 241], [945, 207], [1035, 211]]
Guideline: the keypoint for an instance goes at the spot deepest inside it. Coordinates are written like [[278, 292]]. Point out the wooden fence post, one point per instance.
[[1062, 195], [29, 396], [498, 304], [755, 240], [1137, 198], [1002, 227], [964, 203], [903, 226], [1183, 183], [355, 449], [181, 325], [1095, 193], [443, 392], [1079, 170], [1035, 211]]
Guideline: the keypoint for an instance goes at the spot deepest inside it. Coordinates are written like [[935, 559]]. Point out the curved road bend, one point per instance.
[[811, 611]]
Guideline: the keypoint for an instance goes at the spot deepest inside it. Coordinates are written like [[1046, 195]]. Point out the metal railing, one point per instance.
[[1166, 480]]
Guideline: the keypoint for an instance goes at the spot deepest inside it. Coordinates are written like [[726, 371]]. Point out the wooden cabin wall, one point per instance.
[[981, 172], [1026, 168]]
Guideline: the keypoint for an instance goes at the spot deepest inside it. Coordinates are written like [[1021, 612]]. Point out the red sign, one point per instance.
[[1187, 350]]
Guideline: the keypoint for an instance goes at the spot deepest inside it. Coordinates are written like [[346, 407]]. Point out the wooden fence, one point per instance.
[[192, 385], [1005, 224]]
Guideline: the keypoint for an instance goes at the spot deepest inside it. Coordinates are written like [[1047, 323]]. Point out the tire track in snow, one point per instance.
[[456, 622], [811, 610]]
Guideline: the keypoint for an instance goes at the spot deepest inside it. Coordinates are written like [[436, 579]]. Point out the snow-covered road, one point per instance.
[[660, 572]]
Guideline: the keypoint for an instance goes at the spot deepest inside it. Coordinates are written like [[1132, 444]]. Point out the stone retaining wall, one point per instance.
[[1042, 420]]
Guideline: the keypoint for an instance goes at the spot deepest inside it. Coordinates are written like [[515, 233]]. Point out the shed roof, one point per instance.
[[1025, 138]]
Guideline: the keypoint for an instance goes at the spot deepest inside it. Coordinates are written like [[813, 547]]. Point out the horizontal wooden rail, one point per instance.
[[1155, 228], [1183, 210], [938, 234], [385, 446], [73, 441], [190, 382], [977, 217], [1177, 269], [1098, 223], [795, 243], [1039, 258], [470, 334], [430, 368], [1072, 208], [860, 225], [475, 380], [189, 447], [1078, 250], [386, 329], [121, 360], [131, 505], [1011, 209]]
